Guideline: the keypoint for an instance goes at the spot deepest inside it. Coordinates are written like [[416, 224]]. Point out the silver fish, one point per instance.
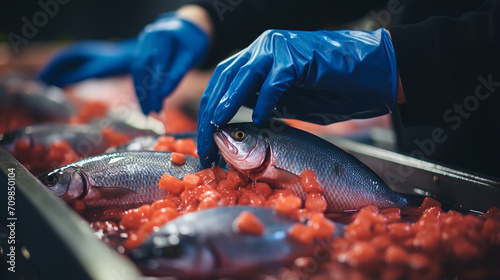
[[122, 180], [206, 243], [279, 154], [42, 103], [85, 139]]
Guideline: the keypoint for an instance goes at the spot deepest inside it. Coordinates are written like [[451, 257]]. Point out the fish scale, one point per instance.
[[348, 184], [136, 171], [223, 250], [354, 187]]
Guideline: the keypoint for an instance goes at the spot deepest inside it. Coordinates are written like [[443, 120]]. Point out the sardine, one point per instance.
[[278, 154], [121, 180], [205, 243]]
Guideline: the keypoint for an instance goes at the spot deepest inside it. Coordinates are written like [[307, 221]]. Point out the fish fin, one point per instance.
[[287, 176], [112, 192]]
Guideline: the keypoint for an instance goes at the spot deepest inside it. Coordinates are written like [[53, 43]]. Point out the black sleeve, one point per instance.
[[238, 22], [449, 68]]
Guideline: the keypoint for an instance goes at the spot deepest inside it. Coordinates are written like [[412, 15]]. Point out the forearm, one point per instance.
[[198, 16], [444, 63]]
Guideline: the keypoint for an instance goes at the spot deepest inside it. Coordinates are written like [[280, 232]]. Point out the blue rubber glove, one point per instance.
[[322, 77], [88, 59], [168, 48]]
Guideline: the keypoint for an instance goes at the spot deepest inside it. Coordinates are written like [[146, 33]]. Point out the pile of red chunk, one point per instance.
[[439, 244], [214, 187], [417, 243]]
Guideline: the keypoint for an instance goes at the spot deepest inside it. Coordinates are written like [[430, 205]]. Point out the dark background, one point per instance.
[[80, 19]]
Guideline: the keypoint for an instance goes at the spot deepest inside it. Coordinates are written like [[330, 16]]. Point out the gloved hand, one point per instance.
[[88, 59], [321, 77], [167, 49], [163, 53]]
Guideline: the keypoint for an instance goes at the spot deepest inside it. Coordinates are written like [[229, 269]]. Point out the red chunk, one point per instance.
[[178, 159], [248, 223], [301, 233], [262, 189], [161, 204], [165, 144], [171, 184], [315, 202], [362, 253], [396, 255], [132, 219], [229, 197], [493, 213], [288, 205], [191, 181], [207, 177], [321, 226], [428, 203], [186, 146], [309, 182], [114, 138], [399, 230]]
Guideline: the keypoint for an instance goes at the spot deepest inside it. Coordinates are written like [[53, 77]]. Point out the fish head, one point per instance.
[[243, 146], [68, 183], [175, 254]]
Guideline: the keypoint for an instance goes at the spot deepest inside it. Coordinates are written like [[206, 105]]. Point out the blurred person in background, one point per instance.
[[436, 64]]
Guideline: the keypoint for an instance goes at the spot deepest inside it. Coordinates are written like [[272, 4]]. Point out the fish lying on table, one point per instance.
[[43, 104], [206, 243], [85, 139], [280, 156], [116, 180]]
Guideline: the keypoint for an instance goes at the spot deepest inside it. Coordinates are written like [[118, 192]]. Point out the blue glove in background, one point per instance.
[[321, 77], [167, 49], [88, 59]]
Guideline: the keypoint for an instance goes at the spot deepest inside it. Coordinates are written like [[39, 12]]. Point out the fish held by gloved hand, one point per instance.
[[278, 156]]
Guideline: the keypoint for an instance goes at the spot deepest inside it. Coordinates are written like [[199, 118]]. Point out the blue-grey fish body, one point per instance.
[[85, 139], [280, 155], [208, 243], [117, 180]]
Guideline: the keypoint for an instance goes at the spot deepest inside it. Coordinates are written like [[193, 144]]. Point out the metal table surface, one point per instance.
[[52, 242]]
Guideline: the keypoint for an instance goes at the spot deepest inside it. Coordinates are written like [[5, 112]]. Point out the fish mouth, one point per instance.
[[229, 154], [221, 139]]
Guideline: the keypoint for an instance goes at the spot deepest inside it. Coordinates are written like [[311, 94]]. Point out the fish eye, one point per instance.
[[51, 179], [239, 135]]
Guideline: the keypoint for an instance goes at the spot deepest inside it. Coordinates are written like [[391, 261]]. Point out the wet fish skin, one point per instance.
[[85, 139], [205, 243], [44, 104], [278, 156], [122, 179]]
